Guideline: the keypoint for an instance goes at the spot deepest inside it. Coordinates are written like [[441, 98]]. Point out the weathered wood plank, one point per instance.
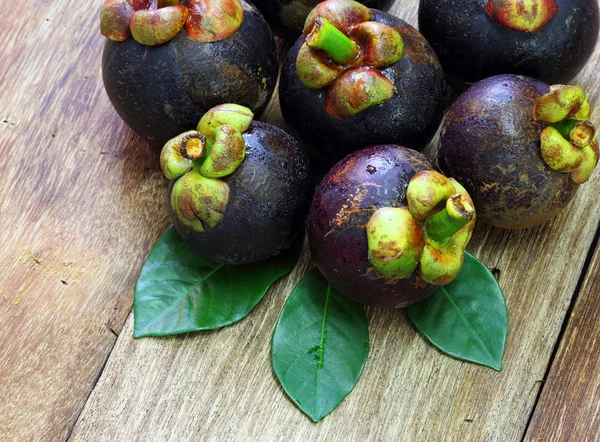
[[569, 406], [220, 386], [81, 202]]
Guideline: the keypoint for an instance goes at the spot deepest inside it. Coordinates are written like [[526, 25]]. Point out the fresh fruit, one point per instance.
[[241, 187], [359, 77], [547, 39], [288, 16], [520, 147], [182, 60], [384, 226]]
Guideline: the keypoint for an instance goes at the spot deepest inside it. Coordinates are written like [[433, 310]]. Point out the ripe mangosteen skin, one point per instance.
[[268, 201], [356, 187], [411, 117], [162, 91], [490, 143], [287, 17], [472, 46]]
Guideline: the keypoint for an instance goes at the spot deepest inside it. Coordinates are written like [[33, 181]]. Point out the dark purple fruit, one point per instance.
[[520, 148], [246, 197], [340, 106], [381, 224], [288, 16], [546, 39], [161, 90]]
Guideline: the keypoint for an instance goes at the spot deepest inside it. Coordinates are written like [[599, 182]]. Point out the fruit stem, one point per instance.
[[193, 148], [457, 213], [579, 133], [330, 39]]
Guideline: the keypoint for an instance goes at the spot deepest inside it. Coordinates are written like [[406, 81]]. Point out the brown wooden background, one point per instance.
[[81, 202]]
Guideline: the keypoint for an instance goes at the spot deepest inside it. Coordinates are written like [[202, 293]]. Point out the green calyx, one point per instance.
[[395, 242], [568, 144], [158, 26], [226, 154], [339, 40], [233, 115], [457, 213], [154, 22], [522, 15], [330, 39], [198, 159], [357, 90], [429, 236], [178, 154], [198, 200]]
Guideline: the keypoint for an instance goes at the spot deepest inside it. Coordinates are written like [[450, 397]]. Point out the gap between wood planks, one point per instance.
[[75, 419], [565, 325], [561, 334]]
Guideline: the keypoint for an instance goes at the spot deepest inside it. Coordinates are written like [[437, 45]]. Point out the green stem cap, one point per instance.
[[178, 154], [330, 39], [457, 213], [579, 133]]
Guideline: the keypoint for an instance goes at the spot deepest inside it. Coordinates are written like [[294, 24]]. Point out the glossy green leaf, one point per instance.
[[179, 291], [320, 346], [466, 319]]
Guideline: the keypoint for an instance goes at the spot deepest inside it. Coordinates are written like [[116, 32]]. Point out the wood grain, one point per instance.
[[569, 406], [82, 202], [220, 386]]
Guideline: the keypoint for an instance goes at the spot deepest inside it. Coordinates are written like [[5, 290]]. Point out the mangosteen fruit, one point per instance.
[[167, 62], [520, 147], [241, 188], [358, 77], [385, 227], [547, 39], [287, 17]]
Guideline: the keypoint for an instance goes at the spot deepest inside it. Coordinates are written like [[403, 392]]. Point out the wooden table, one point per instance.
[[82, 202]]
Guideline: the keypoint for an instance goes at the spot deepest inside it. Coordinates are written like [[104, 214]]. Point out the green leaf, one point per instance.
[[466, 319], [179, 291], [320, 346]]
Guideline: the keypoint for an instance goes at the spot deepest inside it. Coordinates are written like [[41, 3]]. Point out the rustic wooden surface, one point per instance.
[[82, 201], [569, 407]]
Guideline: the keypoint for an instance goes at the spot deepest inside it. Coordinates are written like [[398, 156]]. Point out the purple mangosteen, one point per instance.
[[385, 227], [520, 147]]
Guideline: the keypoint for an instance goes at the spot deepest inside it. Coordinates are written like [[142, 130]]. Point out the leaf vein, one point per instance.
[[322, 347], [166, 312], [468, 324]]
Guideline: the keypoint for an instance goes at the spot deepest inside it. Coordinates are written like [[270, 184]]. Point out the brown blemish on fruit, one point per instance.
[[242, 87], [186, 204], [416, 49], [419, 283], [493, 124], [347, 210]]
